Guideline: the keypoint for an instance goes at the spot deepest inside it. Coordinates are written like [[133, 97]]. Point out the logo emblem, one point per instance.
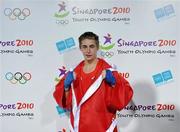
[[62, 10], [18, 77], [17, 13]]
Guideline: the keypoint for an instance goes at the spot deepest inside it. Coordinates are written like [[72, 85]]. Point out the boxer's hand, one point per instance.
[[109, 78], [68, 80]]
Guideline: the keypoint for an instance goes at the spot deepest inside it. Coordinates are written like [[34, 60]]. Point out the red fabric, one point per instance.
[[97, 112]]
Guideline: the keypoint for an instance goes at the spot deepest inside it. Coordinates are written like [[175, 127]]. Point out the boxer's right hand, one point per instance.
[[68, 80]]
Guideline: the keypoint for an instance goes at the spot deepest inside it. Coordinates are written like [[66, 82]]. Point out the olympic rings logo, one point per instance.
[[107, 54], [62, 22], [18, 77], [17, 13]]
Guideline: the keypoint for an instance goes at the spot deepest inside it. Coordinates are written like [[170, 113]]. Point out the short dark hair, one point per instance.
[[89, 35]]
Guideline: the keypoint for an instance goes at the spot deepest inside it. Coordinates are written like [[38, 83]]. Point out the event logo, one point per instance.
[[163, 77], [136, 43], [155, 107], [65, 45], [107, 46], [62, 13], [107, 43], [19, 45], [61, 111], [17, 106], [102, 14], [17, 13], [18, 110], [62, 72], [100, 11], [17, 42], [18, 77], [164, 12]]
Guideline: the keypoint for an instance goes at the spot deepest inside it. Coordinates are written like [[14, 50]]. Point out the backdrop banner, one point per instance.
[[39, 44]]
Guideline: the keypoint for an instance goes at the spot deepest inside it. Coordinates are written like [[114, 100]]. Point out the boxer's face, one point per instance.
[[89, 49]]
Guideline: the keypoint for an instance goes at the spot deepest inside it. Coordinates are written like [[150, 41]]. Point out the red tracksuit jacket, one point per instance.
[[96, 102]]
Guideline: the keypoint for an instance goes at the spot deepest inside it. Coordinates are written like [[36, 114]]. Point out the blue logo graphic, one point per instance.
[[167, 75], [70, 42], [65, 44], [159, 13], [169, 10], [61, 110], [162, 77], [158, 78], [164, 12]]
